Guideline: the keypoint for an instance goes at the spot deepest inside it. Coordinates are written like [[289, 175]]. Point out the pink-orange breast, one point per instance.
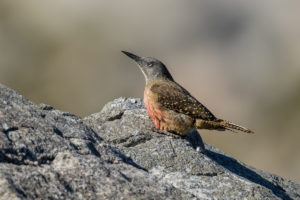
[[153, 108]]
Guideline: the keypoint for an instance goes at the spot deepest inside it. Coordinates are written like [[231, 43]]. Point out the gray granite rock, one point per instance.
[[50, 154], [116, 154], [208, 175]]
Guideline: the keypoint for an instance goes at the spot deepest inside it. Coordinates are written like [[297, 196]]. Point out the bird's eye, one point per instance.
[[150, 64]]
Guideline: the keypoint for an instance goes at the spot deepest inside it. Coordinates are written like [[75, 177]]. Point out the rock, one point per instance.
[[116, 154], [210, 175], [50, 154]]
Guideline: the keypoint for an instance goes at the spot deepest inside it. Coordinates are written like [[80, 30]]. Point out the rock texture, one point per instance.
[[116, 154]]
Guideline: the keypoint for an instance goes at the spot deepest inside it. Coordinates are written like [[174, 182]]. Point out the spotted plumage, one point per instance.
[[174, 97], [170, 106]]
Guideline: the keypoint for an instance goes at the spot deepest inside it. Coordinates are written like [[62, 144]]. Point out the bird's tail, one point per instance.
[[220, 125]]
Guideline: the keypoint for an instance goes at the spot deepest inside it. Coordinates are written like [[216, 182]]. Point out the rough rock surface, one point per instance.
[[116, 154]]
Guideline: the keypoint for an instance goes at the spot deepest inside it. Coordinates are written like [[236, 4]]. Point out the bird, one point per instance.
[[171, 107]]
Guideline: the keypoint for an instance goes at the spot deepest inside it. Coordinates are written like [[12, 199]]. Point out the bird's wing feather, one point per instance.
[[171, 95]]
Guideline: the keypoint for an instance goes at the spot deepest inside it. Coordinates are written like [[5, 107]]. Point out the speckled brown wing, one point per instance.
[[172, 96]]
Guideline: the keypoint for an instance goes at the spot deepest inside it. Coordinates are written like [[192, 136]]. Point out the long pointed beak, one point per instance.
[[132, 56]]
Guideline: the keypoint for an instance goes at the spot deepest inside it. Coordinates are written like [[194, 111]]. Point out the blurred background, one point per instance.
[[240, 58]]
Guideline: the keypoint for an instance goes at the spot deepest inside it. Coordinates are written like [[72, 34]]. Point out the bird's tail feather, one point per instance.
[[220, 124], [230, 125]]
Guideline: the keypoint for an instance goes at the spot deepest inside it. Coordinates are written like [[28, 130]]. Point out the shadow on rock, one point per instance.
[[235, 167]]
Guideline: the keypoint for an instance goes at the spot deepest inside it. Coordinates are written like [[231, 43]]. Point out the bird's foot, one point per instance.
[[195, 139]]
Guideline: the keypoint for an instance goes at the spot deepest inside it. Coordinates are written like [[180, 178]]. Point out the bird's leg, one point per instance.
[[195, 139]]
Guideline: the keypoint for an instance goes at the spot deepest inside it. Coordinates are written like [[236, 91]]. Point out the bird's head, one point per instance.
[[152, 68]]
